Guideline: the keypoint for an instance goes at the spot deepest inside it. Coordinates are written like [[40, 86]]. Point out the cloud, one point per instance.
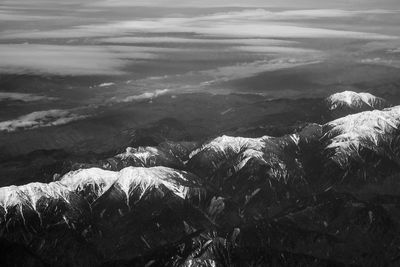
[[23, 97], [278, 50], [144, 96], [68, 60], [39, 119], [249, 3], [112, 46], [250, 69], [180, 40], [329, 13], [394, 63], [253, 29], [22, 16], [257, 14], [273, 58], [78, 60], [227, 73], [266, 15], [106, 84], [254, 23], [109, 59]]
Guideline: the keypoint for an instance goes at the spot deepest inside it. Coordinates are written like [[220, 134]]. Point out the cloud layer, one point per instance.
[[247, 3], [244, 24], [6, 96], [107, 48], [250, 69], [67, 60], [144, 96], [39, 119]]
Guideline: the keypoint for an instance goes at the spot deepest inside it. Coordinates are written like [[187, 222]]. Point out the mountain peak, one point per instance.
[[356, 101], [142, 180], [369, 129], [97, 179]]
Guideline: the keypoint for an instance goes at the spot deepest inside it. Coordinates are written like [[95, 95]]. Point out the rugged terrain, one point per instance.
[[324, 194]]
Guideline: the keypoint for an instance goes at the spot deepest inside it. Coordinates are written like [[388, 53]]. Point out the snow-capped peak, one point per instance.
[[99, 180], [232, 154], [26, 197], [358, 101], [142, 153], [225, 148], [226, 143], [87, 185], [142, 180], [369, 129]]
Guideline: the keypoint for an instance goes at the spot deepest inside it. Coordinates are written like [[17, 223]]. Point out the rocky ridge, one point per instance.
[[324, 195]]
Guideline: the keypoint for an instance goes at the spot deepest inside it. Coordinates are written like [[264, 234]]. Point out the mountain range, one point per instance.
[[323, 194]]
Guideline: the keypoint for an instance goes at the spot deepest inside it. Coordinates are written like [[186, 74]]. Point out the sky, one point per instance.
[[79, 41], [127, 51], [209, 3]]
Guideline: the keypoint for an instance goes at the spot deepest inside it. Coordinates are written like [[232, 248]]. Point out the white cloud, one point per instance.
[[394, 63], [107, 59], [253, 29], [68, 60], [39, 119], [330, 13], [180, 40], [244, 24], [250, 69], [23, 97], [249, 3], [278, 50], [106, 84], [145, 96], [262, 14], [274, 58], [60, 60], [11, 15]]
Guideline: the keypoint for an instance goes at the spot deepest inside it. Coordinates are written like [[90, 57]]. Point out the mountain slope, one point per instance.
[[349, 102], [324, 195], [90, 203]]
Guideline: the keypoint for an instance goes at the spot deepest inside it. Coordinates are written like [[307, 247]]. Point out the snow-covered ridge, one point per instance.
[[96, 180], [356, 101], [142, 153], [168, 154], [226, 143], [374, 130], [141, 180], [233, 153], [225, 147], [28, 195], [87, 185], [147, 157]]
